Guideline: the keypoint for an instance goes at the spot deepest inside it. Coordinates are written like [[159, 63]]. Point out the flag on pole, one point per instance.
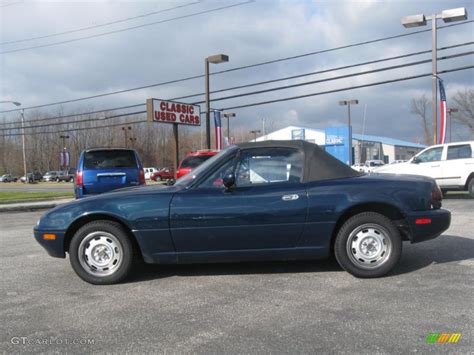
[[444, 112], [218, 128], [64, 158]]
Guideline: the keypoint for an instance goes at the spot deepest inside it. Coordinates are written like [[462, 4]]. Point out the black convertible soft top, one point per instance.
[[318, 165]]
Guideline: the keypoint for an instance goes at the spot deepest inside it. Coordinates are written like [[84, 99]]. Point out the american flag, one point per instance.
[[218, 127], [444, 111]]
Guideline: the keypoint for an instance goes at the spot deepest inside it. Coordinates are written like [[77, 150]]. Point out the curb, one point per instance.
[[46, 205]]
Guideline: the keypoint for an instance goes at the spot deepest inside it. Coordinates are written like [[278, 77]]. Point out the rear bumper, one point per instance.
[[421, 229], [55, 247]]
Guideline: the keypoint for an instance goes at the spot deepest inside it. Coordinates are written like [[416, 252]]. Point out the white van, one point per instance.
[[451, 165]]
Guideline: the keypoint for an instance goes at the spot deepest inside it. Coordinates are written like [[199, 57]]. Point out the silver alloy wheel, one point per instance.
[[369, 246], [100, 253]]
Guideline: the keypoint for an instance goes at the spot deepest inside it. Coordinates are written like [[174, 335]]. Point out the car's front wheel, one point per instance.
[[101, 253], [368, 245]]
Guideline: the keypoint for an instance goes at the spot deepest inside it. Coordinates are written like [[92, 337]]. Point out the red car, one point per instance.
[[163, 174], [193, 160]]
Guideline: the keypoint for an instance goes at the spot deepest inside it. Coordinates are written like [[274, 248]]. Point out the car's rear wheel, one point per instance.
[[101, 253], [470, 187], [368, 245]]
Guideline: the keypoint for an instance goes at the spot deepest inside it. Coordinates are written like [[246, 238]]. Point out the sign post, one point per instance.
[[175, 113]]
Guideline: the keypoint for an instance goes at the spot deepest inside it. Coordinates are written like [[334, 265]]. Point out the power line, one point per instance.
[[12, 3], [236, 68], [100, 25], [344, 76], [244, 94], [346, 89], [128, 28], [261, 102]]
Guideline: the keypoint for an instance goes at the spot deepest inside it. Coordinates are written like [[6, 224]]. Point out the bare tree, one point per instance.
[[464, 102], [419, 107]]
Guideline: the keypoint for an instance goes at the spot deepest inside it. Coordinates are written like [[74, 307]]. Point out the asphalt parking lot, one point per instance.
[[277, 307]]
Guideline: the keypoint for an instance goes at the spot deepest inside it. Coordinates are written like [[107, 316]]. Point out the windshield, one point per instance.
[[194, 161], [187, 179], [109, 159]]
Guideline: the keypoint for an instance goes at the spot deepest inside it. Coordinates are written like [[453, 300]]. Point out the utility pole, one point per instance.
[[263, 126]]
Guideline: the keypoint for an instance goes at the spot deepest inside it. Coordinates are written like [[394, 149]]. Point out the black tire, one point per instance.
[[88, 274], [470, 187], [353, 260]]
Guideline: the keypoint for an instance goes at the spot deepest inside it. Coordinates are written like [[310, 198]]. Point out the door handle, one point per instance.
[[291, 197], [435, 166]]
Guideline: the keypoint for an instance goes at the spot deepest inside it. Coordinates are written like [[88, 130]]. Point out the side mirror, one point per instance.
[[228, 180], [415, 160]]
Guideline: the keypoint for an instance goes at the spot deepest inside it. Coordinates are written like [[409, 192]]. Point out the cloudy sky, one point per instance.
[[249, 32]]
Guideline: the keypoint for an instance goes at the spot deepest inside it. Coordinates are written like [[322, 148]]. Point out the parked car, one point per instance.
[[451, 165], [33, 176], [149, 172], [106, 169], [163, 174], [8, 178], [398, 161], [193, 160], [67, 175], [370, 165], [51, 176], [254, 201], [358, 166]]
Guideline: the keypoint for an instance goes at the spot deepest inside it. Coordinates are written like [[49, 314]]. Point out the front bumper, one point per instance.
[[55, 247], [439, 222]]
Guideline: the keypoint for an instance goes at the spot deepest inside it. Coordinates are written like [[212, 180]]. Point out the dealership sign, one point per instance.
[[173, 112], [339, 143]]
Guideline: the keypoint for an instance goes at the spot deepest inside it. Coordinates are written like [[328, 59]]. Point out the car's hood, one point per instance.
[[125, 204]]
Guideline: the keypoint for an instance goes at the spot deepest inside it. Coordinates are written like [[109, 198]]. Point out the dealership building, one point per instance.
[[364, 147]]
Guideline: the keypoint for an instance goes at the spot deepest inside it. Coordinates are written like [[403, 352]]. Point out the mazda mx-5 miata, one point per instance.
[[274, 200]]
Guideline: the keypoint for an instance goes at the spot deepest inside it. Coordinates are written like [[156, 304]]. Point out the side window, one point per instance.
[[269, 165], [433, 154], [215, 179], [459, 152]]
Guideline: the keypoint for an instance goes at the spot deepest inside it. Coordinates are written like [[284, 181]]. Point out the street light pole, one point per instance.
[[214, 59], [450, 15], [23, 142], [450, 111], [348, 103], [228, 115], [22, 113], [255, 131]]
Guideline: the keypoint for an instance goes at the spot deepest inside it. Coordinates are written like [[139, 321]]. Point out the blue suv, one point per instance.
[[101, 170]]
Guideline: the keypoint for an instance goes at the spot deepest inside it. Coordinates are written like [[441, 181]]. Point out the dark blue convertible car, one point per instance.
[[275, 200]]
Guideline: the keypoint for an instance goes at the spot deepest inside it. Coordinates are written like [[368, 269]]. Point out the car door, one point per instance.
[[428, 163], [458, 164], [266, 209]]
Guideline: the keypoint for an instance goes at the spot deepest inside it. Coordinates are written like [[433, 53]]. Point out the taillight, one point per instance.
[[436, 197], [141, 177], [79, 180]]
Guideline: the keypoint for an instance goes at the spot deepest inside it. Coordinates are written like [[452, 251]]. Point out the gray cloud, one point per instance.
[[260, 31]]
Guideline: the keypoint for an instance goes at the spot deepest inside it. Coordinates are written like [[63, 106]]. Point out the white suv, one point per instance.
[[451, 165]]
